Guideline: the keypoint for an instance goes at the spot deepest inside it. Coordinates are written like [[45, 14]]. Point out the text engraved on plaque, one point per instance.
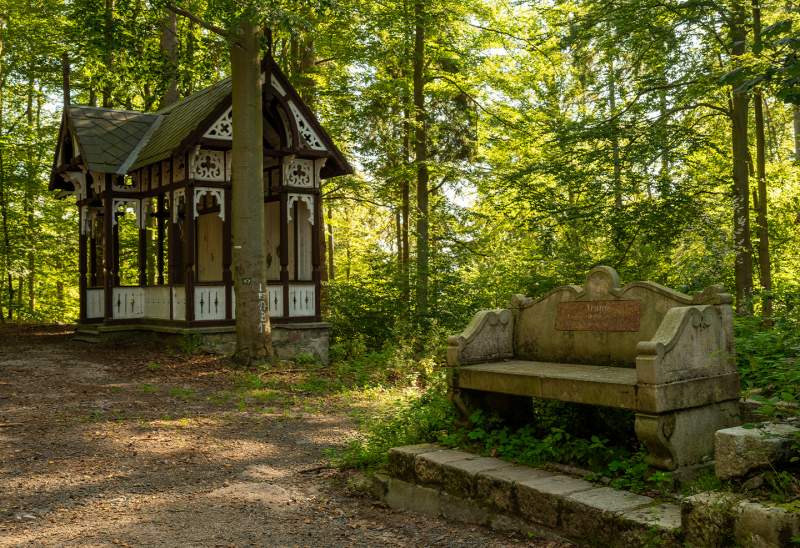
[[598, 316]]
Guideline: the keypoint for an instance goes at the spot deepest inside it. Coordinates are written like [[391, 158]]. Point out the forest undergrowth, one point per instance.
[[407, 386]]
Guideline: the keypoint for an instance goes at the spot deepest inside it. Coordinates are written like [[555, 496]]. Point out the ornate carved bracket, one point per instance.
[[217, 193], [307, 198]]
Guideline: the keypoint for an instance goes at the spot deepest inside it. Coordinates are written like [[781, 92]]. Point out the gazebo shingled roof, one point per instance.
[[119, 141]]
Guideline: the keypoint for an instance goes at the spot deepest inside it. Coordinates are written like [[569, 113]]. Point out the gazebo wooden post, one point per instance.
[[160, 238], [172, 250], [142, 260], [82, 263], [92, 256], [108, 250], [115, 244], [284, 246], [189, 251], [227, 255], [316, 255]]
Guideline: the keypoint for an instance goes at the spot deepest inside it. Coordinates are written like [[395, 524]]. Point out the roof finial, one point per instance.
[[65, 74]]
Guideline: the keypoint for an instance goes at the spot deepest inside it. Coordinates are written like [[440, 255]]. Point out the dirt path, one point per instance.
[[114, 445]]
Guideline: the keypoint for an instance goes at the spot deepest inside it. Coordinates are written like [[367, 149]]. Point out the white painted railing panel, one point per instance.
[[275, 293], [274, 300], [128, 303], [156, 302], [95, 303], [301, 300], [209, 302], [178, 303]]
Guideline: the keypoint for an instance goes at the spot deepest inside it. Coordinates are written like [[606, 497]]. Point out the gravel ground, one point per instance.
[[132, 444]]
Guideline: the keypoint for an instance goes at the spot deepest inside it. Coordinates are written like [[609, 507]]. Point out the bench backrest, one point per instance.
[[599, 323]]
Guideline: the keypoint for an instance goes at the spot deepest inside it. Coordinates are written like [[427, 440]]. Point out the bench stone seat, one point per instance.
[[589, 384], [665, 355]]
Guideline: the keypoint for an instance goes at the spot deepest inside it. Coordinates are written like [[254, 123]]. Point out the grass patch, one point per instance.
[[148, 389], [181, 393]]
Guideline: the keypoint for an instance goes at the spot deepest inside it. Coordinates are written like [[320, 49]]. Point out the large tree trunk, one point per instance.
[[253, 332], [421, 160], [743, 249], [169, 52], [764, 264]]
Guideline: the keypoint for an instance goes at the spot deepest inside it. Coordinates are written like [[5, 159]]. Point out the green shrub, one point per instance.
[[424, 418]]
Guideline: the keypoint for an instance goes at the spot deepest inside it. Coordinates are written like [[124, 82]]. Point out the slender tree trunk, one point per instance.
[[618, 230], [421, 160], [108, 60], [405, 207], [398, 239], [253, 331], [764, 263], [190, 49], [796, 119], [4, 215], [331, 271], [169, 52], [743, 249], [29, 196]]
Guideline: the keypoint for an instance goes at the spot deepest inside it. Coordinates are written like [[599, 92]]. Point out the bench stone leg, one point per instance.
[[514, 410], [686, 437]]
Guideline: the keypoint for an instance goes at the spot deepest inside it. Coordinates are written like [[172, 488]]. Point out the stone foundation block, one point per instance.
[[596, 514], [739, 451], [761, 526], [428, 466], [463, 510], [708, 519], [402, 459], [459, 478], [498, 487], [540, 500], [402, 495]]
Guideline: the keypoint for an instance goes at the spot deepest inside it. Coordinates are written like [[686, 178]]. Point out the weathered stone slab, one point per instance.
[[660, 398], [739, 450], [590, 384], [595, 514], [665, 516], [402, 495], [609, 500], [540, 500], [463, 510], [498, 487], [402, 459], [428, 465], [459, 477], [759, 525], [708, 519]]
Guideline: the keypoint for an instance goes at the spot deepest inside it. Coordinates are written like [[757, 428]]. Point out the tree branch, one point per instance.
[[197, 20]]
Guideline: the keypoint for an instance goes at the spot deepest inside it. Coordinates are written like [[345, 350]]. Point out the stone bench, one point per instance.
[[667, 356]]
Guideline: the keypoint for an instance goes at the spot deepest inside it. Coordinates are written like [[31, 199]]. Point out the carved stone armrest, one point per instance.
[[488, 337], [692, 342]]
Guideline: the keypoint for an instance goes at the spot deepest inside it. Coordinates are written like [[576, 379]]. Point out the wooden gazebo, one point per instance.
[[171, 170]]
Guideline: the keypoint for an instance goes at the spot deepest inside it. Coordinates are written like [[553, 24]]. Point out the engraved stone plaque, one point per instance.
[[598, 316]]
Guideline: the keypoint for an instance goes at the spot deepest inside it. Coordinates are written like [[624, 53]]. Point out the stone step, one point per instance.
[[741, 450], [87, 334], [489, 491]]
